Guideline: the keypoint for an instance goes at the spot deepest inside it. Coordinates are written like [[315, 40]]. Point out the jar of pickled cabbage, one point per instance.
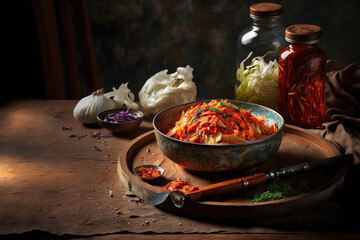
[[258, 48], [302, 76]]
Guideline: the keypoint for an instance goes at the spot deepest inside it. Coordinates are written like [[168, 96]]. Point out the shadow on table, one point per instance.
[[126, 135], [131, 135]]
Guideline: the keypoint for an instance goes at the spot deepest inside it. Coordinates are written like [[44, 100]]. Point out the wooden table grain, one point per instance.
[[58, 179]]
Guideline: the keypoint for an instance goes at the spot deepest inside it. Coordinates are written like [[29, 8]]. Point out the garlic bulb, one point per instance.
[[87, 109]]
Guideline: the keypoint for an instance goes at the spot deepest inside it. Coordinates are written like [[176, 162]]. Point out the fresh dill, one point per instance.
[[279, 191]]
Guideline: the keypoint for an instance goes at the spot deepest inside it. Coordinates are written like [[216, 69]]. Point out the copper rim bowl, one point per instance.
[[217, 158]]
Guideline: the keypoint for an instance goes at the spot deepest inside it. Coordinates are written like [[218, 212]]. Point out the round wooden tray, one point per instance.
[[297, 146]]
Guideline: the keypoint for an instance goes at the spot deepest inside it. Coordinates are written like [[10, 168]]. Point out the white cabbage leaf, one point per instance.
[[164, 90], [123, 96]]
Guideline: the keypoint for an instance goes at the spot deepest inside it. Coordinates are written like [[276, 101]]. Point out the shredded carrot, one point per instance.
[[220, 122]]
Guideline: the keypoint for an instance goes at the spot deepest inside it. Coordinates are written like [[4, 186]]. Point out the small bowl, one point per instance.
[[136, 170], [218, 158], [120, 127]]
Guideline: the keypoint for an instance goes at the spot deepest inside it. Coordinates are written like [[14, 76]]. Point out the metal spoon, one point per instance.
[[177, 197]]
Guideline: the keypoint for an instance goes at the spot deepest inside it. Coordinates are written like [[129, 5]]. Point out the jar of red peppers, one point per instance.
[[302, 75]]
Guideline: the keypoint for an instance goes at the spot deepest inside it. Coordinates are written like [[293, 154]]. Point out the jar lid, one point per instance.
[[266, 9], [303, 33]]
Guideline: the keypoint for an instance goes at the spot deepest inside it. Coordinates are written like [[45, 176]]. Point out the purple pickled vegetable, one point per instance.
[[120, 117]]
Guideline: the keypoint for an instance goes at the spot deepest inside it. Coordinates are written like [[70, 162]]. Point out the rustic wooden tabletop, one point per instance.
[[58, 179]]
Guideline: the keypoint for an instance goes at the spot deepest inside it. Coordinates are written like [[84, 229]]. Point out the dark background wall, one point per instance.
[[134, 39]]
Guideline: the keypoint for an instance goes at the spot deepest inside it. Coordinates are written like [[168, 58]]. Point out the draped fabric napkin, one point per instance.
[[343, 109]]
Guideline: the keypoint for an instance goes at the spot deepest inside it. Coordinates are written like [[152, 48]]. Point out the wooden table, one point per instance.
[[59, 178]]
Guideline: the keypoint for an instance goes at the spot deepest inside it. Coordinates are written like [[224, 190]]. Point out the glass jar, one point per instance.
[[302, 76], [258, 47]]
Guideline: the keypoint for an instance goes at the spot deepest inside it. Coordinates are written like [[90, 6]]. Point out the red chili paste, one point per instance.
[[148, 172], [182, 186]]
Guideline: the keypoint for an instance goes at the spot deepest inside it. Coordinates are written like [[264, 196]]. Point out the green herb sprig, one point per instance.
[[227, 105], [280, 191]]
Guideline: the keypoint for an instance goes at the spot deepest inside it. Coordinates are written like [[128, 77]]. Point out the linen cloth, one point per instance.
[[343, 109]]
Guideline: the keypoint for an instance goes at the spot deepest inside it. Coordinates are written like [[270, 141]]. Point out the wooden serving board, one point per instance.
[[297, 146]]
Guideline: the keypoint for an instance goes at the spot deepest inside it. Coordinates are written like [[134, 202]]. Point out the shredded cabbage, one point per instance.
[[120, 117], [258, 82]]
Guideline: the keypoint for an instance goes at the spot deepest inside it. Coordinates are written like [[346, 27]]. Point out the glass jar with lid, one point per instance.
[[302, 76], [257, 52]]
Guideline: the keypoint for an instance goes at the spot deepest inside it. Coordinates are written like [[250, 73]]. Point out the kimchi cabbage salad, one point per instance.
[[220, 122]]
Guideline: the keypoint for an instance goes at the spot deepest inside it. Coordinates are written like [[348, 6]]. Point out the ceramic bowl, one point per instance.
[[218, 158], [120, 127]]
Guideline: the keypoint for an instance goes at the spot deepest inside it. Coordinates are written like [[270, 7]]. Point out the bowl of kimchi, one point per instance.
[[218, 135]]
